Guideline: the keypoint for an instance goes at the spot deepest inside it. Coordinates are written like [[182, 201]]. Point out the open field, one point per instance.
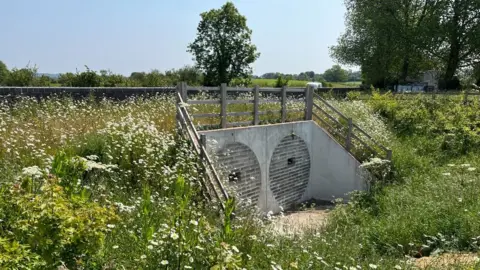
[[107, 185], [297, 83], [345, 84]]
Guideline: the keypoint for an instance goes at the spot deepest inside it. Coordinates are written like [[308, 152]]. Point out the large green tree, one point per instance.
[[395, 40], [459, 42], [223, 48], [387, 39], [415, 21]]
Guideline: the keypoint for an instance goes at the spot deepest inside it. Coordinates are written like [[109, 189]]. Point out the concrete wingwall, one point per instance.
[[336, 171], [275, 166]]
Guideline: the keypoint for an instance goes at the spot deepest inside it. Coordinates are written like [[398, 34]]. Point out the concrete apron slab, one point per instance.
[[278, 165], [299, 222]]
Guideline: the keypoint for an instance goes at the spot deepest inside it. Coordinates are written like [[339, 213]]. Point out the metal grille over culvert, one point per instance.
[[289, 170], [240, 167]]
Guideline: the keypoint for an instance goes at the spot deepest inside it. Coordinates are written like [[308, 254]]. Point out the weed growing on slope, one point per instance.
[[432, 207]]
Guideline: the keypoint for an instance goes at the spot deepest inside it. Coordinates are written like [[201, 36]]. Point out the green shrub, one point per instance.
[[353, 95], [16, 256], [55, 226], [155, 78], [445, 120], [4, 73], [281, 82], [42, 81], [88, 78], [21, 77], [67, 79], [241, 82], [385, 104]]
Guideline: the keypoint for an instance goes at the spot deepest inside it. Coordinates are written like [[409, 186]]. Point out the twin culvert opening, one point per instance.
[[288, 170], [236, 176]]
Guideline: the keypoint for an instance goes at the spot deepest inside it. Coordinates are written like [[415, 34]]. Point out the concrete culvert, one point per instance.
[[289, 170], [241, 165]]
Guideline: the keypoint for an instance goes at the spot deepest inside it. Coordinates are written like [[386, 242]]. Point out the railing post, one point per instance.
[[223, 100], [203, 146], [203, 154], [389, 154], [256, 98], [177, 105], [308, 102], [184, 92], [284, 104], [348, 142]]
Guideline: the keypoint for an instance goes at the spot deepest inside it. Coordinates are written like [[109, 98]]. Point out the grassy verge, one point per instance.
[[432, 206]]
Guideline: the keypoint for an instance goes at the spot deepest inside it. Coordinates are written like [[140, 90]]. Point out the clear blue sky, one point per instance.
[[127, 35]]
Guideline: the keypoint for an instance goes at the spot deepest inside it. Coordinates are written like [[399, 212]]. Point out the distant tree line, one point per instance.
[[28, 76], [334, 74], [153, 78], [22, 77]]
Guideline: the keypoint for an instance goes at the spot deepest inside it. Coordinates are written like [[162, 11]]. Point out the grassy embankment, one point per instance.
[[131, 201]]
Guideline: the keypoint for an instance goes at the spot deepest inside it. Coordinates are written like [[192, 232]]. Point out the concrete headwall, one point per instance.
[[279, 165], [335, 173]]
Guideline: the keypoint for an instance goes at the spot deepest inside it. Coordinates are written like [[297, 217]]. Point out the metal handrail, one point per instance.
[[213, 177], [202, 148], [329, 106], [370, 137], [351, 127], [182, 122], [199, 149]]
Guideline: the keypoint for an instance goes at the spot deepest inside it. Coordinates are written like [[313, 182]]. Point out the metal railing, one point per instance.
[[256, 101], [212, 183], [347, 131]]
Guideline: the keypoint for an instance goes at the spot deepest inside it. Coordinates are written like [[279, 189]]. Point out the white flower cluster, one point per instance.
[[34, 171], [364, 117]]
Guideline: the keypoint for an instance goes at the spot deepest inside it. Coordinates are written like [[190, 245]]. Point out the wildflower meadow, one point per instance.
[[104, 184]]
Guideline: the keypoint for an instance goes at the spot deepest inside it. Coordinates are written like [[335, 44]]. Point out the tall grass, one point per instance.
[[124, 157], [433, 206]]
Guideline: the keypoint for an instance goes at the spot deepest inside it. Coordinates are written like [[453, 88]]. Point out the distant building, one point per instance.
[[428, 83], [411, 87], [431, 78], [315, 85]]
